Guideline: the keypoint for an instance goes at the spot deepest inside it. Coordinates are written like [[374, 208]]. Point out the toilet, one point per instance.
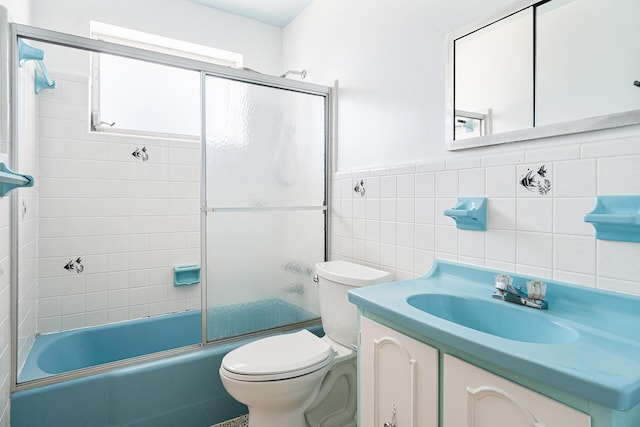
[[298, 379]]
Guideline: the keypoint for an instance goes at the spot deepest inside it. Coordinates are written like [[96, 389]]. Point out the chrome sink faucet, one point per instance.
[[533, 297]]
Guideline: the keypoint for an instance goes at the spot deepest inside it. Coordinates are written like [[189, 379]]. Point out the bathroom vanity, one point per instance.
[[439, 351]]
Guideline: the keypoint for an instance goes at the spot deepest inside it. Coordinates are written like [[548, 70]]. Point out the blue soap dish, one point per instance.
[[470, 213], [186, 275], [616, 218]]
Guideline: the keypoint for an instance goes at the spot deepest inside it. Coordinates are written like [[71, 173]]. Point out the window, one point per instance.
[[139, 97]]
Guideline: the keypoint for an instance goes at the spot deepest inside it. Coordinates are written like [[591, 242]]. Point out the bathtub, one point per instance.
[[179, 390]]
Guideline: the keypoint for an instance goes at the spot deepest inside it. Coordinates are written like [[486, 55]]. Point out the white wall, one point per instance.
[[389, 57], [18, 10], [179, 19]]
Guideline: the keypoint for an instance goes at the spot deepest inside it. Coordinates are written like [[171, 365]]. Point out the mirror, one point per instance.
[[494, 77], [544, 68]]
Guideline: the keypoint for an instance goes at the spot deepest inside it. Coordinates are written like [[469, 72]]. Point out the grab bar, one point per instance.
[[10, 180]]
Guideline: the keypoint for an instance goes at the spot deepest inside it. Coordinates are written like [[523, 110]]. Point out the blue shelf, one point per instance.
[[616, 218], [470, 213]]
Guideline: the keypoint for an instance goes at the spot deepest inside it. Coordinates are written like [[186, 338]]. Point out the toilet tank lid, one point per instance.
[[351, 274]]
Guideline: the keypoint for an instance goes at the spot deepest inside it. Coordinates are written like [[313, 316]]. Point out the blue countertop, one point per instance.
[[600, 364]]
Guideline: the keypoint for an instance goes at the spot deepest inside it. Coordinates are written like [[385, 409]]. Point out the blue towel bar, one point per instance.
[[10, 180]]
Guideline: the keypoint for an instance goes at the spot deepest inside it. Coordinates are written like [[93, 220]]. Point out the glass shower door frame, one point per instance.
[[205, 69], [206, 210]]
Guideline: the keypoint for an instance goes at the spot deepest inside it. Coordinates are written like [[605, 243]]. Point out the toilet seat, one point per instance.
[[278, 357]]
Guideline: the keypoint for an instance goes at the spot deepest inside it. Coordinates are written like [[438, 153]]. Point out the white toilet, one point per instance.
[[298, 379]]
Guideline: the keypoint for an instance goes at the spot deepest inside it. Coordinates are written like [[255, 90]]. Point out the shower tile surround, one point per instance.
[[128, 219], [27, 219], [5, 333], [399, 225]]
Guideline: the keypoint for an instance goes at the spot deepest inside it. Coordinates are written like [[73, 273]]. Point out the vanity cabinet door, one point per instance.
[[398, 379], [473, 397]]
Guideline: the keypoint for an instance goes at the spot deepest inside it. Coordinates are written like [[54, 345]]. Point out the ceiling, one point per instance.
[[273, 12]]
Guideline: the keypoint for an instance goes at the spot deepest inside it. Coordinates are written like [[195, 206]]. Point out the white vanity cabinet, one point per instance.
[[398, 379], [400, 387], [473, 397]]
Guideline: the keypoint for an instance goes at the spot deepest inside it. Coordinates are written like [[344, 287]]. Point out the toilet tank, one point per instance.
[[339, 316]]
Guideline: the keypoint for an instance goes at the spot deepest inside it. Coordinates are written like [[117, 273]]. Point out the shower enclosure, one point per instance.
[[224, 172]]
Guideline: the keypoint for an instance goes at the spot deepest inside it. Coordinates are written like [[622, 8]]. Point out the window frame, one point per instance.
[[155, 43]]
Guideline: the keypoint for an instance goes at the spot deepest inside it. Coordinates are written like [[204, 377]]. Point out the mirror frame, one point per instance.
[[609, 121]]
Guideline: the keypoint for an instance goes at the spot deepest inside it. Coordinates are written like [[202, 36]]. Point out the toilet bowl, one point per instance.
[[299, 379], [280, 377]]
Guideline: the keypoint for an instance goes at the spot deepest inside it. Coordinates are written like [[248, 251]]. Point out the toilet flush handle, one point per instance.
[[315, 279]]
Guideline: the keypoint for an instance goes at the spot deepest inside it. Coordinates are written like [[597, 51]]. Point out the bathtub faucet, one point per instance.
[[533, 297]]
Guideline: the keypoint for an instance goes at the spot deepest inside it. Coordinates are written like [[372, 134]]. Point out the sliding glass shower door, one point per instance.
[[265, 205]]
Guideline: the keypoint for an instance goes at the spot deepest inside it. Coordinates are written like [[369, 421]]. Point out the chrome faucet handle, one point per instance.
[[536, 289], [503, 282]]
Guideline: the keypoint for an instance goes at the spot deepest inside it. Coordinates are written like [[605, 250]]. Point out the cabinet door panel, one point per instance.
[[398, 378], [474, 397]]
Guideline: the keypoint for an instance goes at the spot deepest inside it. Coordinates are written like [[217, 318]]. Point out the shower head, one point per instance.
[[302, 73]]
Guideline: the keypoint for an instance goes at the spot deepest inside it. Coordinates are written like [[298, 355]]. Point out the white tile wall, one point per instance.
[[129, 221], [27, 220], [5, 301], [528, 232]]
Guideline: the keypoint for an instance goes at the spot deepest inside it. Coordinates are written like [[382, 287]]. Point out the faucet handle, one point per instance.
[[503, 282], [536, 289]]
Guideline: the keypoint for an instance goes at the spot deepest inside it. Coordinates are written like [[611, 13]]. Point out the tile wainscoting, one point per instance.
[[392, 217]]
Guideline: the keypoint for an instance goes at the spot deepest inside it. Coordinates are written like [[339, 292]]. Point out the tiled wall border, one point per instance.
[[398, 225]]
